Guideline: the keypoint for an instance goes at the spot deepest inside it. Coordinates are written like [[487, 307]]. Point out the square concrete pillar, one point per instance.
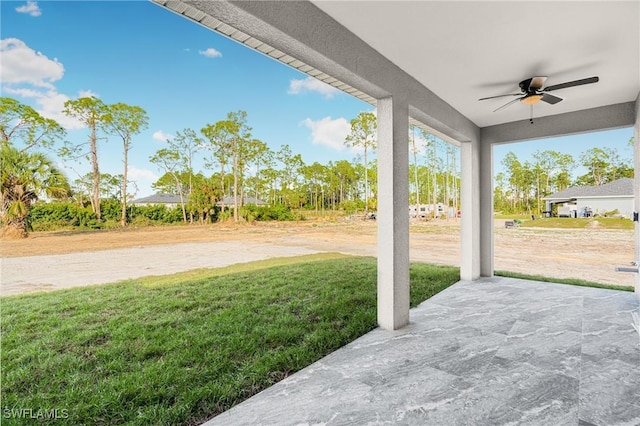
[[393, 214], [486, 209], [636, 190], [470, 210], [476, 199]]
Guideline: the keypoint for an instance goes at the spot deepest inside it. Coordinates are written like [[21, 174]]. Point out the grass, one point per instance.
[[580, 223], [519, 216], [570, 281], [183, 348]]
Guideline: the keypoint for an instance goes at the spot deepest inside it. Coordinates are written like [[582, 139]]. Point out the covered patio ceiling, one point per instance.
[[445, 55], [467, 50]]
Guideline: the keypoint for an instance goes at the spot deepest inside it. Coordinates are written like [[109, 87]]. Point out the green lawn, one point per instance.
[[570, 281], [580, 223], [183, 348]]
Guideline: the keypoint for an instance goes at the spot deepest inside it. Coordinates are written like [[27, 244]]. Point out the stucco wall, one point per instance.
[[601, 205]]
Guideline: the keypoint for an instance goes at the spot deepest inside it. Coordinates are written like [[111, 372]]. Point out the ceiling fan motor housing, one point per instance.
[[524, 86]]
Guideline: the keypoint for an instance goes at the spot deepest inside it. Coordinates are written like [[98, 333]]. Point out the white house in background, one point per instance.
[[169, 200], [591, 200]]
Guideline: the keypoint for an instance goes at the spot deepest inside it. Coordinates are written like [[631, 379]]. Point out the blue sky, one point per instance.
[[184, 76]]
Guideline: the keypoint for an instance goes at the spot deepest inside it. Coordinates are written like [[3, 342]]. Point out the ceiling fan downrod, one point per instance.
[[531, 114]]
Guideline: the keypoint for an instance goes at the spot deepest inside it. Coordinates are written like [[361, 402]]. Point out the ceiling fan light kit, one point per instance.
[[531, 99], [532, 92]]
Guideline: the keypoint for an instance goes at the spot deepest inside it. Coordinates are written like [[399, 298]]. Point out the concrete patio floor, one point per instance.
[[497, 351]]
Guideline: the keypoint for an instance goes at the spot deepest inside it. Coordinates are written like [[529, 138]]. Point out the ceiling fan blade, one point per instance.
[[537, 83], [550, 99], [571, 84], [500, 96], [507, 104]]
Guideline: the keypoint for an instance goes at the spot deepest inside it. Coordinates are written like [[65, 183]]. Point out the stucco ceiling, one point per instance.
[[464, 51]]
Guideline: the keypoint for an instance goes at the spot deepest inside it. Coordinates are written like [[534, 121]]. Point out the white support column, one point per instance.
[[486, 209], [636, 190], [393, 214], [470, 210]]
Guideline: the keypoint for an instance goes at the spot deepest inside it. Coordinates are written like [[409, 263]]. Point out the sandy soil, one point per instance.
[[48, 261]]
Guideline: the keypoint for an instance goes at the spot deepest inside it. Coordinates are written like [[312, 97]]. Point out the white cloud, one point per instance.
[[23, 92], [30, 75], [50, 104], [31, 8], [134, 173], [161, 136], [211, 53], [310, 84], [328, 132], [21, 64], [141, 180], [87, 94]]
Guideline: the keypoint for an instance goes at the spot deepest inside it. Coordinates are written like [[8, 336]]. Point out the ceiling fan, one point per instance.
[[532, 91]]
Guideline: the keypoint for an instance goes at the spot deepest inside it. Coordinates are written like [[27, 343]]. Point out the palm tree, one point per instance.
[[24, 176]]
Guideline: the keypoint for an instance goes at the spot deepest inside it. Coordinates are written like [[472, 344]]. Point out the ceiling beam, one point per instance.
[[588, 120]]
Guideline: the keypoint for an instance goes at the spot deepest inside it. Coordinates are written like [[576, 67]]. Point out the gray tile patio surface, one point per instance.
[[498, 351]]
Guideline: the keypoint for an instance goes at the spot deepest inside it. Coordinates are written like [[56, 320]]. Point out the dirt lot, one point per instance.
[[589, 254]]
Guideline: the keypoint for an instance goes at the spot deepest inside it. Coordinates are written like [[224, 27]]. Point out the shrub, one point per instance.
[[351, 206], [612, 213], [142, 221], [158, 213], [252, 212], [56, 215], [111, 209]]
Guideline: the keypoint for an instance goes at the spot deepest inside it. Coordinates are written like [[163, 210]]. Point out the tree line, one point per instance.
[[244, 166], [522, 185], [239, 167], [236, 166], [27, 173]]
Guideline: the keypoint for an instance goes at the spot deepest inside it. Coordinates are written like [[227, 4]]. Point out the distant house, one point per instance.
[[585, 201], [228, 201], [169, 200]]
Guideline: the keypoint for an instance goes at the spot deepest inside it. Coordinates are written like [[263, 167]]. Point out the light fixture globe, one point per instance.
[[531, 99]]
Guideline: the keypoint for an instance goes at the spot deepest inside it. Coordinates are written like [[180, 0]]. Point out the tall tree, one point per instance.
[[254, 154], [125, 121], [517, 179], [166, 184], [187, 143], [241, 135], [291, 166], [220, 143], [206, 191], [170, 161], [363, 135], [414, 149], [261, 158], [346, 175], [24, 128], [315, 175], [552, 167], [24, 176], [601, 163], [91, 112], [431, 154]]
